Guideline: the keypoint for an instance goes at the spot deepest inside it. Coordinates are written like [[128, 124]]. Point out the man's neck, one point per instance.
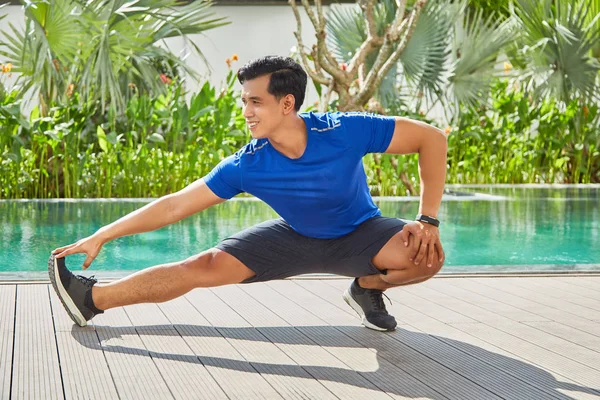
[[291, 138]]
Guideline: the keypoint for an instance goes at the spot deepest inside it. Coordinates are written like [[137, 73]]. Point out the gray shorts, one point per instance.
[[273, 250]]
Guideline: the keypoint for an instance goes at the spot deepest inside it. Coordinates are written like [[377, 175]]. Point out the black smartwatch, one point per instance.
[[428, 220]]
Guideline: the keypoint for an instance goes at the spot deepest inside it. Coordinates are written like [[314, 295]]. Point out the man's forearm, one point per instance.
[[432, 171], [152, 216]]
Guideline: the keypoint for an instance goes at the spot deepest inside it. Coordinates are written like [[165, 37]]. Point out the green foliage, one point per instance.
[[450, 57], [159, 146], [515, 140], [500, 8], [555, 48], [100, 47], [519, 140]]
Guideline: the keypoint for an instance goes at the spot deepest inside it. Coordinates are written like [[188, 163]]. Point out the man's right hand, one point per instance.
[[90, 245]]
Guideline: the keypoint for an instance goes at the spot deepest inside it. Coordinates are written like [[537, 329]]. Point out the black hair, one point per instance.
[[287, 76]]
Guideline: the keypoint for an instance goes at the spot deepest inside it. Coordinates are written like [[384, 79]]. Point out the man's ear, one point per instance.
[[289, 101]]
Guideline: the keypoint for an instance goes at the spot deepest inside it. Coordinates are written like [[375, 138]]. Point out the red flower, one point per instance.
[[165, 79]]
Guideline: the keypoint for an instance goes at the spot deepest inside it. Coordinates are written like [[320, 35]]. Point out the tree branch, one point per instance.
[[368, 46], [325, 100], [316, 74], [398, 18], [393, 59], [327, 60], [385, 60], [367, 6]]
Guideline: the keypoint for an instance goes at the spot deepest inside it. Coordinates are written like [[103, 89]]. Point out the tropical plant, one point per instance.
[[555, 48], [498, 7], [161, 144], [519, 140], [432, 52], [101, 48]]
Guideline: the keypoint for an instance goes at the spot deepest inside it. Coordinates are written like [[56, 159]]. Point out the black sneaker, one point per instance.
[[368, 303], [74, 291]]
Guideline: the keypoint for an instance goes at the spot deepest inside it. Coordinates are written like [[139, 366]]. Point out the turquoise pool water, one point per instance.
[[483, 230]]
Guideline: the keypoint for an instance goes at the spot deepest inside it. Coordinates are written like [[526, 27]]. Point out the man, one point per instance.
[[308, 168]]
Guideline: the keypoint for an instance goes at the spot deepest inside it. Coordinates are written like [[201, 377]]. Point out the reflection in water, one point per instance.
[[532, 227]]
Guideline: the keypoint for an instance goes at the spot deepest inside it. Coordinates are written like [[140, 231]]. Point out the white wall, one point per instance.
[[254, 31]]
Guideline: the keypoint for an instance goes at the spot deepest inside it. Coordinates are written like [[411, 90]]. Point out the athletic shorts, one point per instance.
[[273, 250]]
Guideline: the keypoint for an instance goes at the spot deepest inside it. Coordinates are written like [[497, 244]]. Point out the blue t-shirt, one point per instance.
[[324, 193]]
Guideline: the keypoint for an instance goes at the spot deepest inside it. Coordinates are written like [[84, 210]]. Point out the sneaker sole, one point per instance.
[[64, 297], [356, 307]]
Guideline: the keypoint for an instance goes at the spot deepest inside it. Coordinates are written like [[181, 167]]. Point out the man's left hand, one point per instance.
[[426, 240]]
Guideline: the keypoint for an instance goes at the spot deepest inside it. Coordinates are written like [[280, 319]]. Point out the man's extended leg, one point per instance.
[[83, 298]]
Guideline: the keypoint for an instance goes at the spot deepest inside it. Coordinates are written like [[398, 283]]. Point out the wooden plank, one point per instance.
[[549, 382], [449, 287], [442, 313], [418, 362], [566, 348], [7, 328], [134, 372], [386, 376], [566, 332], [84, 369], [568, 288], [529, 293], [544, 286], [182, 370], [584, 376], [238, 375], [550, 313], [589, 282], [36, 370], [331, 372]]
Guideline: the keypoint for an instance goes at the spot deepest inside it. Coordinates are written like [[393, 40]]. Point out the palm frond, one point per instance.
[[101, 45], [425, 57], [477, 53], [346, 31], [558, 39]]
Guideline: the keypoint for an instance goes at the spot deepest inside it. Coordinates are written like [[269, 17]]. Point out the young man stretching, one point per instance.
[[308, 168]]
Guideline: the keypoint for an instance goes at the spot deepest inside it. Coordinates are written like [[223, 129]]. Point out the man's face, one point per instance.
[[263, 112]]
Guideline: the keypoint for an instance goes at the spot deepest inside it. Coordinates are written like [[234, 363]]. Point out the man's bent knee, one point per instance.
[[395, 256], [215, 267]]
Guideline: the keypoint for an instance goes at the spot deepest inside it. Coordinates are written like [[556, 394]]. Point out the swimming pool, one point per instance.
[[484, 229]]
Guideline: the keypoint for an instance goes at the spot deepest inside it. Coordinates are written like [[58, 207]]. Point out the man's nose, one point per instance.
[[247, 111]]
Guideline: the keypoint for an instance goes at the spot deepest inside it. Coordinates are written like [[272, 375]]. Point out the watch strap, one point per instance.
[[428, 220]]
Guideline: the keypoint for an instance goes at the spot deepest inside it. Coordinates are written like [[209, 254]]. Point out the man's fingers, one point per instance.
[[88, 262], [404, 234], [67, 252], [431, 255], [62, 249], [414, 249], [440, 250], [421, 255]]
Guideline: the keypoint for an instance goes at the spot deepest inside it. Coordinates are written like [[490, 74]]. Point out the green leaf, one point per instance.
[[102, 142], [156, 138], [236, 133], [204, 111]]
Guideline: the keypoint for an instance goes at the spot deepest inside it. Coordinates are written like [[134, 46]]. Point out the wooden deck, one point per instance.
[[458, 338]]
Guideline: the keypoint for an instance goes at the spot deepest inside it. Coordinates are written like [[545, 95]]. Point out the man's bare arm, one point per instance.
[[155, 215], [430, 143], [162, 212]]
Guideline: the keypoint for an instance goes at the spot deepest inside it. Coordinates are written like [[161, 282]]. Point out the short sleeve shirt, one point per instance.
[[322, 194]]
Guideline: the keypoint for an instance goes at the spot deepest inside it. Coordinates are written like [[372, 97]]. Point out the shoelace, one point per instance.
[[86, 281], [377, 300]]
